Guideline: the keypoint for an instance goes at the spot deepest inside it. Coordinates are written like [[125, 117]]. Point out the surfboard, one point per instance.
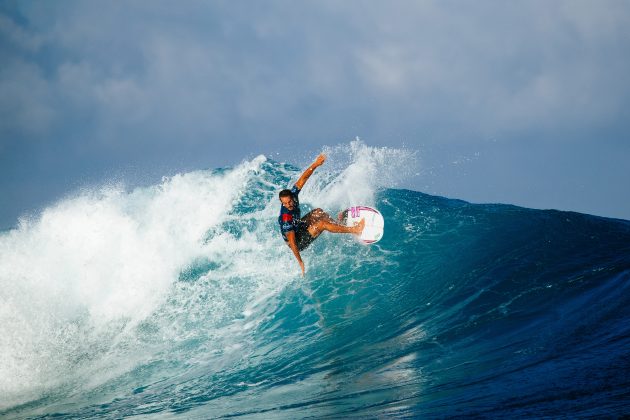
[[374, 222]]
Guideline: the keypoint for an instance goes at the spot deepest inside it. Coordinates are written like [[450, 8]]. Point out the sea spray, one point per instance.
[[354, 173]]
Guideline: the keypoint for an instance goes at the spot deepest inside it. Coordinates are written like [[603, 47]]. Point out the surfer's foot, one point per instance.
[[358, 227]]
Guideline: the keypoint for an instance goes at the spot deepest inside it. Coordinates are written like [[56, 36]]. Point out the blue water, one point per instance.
[[181, 300]]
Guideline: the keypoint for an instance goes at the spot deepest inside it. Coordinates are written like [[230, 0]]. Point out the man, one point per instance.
[[298, 232]]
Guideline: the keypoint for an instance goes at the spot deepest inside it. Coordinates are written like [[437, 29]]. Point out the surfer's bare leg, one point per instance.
[[320, 225]]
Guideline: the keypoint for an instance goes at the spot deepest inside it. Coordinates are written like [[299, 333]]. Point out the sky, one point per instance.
[[521, 102]]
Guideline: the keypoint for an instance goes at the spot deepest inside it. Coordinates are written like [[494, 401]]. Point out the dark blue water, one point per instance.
[[460, 310]]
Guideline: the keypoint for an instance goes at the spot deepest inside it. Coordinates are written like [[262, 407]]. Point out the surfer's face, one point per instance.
[[288, 202]]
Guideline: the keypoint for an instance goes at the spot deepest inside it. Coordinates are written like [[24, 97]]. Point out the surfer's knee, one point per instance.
[[319, 214]]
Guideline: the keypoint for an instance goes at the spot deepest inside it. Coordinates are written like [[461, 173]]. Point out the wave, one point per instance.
[[182, 299]]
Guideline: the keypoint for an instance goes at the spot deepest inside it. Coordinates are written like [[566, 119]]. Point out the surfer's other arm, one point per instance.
[[319, 161], [293, 245]]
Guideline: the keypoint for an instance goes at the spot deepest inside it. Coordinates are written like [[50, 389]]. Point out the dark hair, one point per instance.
[[285, 193]]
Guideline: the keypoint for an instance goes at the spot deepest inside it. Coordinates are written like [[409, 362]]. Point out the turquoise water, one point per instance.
[[181, 300]]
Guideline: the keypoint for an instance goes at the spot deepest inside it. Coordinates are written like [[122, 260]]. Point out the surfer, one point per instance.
[[299, 232]]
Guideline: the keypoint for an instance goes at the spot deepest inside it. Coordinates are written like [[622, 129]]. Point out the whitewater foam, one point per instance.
[[80, 277]]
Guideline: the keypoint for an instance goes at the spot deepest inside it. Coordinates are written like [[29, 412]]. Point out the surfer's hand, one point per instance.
[[302, 267], [320, 160]]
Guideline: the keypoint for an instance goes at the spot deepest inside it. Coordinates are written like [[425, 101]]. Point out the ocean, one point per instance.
[[181, 300]]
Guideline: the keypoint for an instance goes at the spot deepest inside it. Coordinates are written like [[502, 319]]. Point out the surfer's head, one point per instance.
[[286, 197]]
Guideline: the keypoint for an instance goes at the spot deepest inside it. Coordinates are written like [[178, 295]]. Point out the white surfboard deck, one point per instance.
[[374, 222]]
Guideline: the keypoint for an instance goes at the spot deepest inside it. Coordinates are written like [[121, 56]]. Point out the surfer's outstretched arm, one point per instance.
[[293, 245], [319, 161]]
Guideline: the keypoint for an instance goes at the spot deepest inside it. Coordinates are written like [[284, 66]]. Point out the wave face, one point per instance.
[[182, 300]]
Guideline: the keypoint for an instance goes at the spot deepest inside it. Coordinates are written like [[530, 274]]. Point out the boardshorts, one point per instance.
[[303, 237]]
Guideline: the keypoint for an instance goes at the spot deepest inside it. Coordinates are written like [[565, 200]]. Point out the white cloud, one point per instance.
[[488, 68]]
